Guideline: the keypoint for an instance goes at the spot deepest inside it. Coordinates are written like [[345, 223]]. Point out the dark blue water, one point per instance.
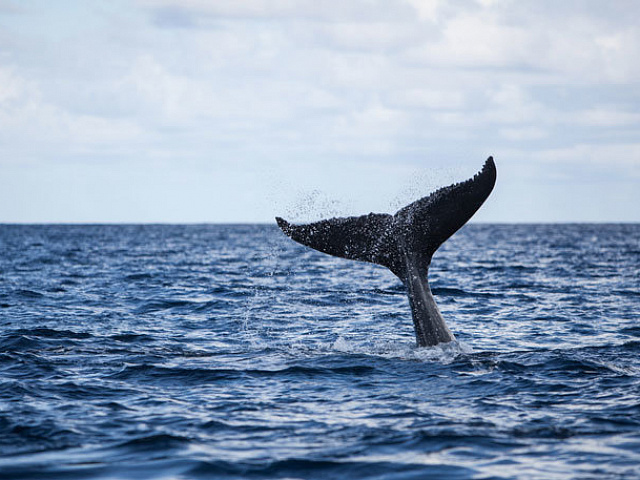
[[188, 352]]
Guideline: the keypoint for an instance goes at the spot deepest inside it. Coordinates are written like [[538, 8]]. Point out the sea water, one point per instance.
[[213, 351]]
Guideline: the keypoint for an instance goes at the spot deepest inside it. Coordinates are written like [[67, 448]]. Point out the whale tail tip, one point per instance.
[[283, 224]]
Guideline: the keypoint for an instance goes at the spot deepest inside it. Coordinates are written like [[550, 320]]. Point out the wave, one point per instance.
[[160, 442], [132, 338], [201, 376], [24, 435], [39, 339], [322, 468], [159, 305], [29, 294], [44, 332]]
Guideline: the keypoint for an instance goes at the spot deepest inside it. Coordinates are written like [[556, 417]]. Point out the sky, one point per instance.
[[184, 111]]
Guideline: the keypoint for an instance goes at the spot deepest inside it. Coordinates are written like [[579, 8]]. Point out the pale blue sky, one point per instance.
[[239, 110]]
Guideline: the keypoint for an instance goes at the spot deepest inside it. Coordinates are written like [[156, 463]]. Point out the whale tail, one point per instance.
[[416, 230], [404, 242]]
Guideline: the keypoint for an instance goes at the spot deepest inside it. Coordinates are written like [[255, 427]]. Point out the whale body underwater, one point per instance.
[[404, 242]]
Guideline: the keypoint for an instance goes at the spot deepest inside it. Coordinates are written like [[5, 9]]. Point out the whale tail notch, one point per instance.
[[416, 230]]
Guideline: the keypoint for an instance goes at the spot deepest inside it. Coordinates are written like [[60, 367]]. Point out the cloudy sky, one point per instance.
[[239, 110]]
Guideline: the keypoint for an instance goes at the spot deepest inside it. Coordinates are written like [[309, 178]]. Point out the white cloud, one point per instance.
[[427, 98], [31, 124], [168, 98], [426, 9], [11, 87], [478, 40], [607, 116], [371, 36], [524, 133], [362, 10], [622, 158]]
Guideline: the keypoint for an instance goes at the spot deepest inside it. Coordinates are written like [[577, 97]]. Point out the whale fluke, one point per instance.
[[404, 242], [368, 238]]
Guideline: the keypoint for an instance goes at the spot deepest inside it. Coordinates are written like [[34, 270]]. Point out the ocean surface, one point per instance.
[[231, 352]]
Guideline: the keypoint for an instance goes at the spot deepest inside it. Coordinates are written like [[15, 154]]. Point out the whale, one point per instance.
[[404, 242]]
